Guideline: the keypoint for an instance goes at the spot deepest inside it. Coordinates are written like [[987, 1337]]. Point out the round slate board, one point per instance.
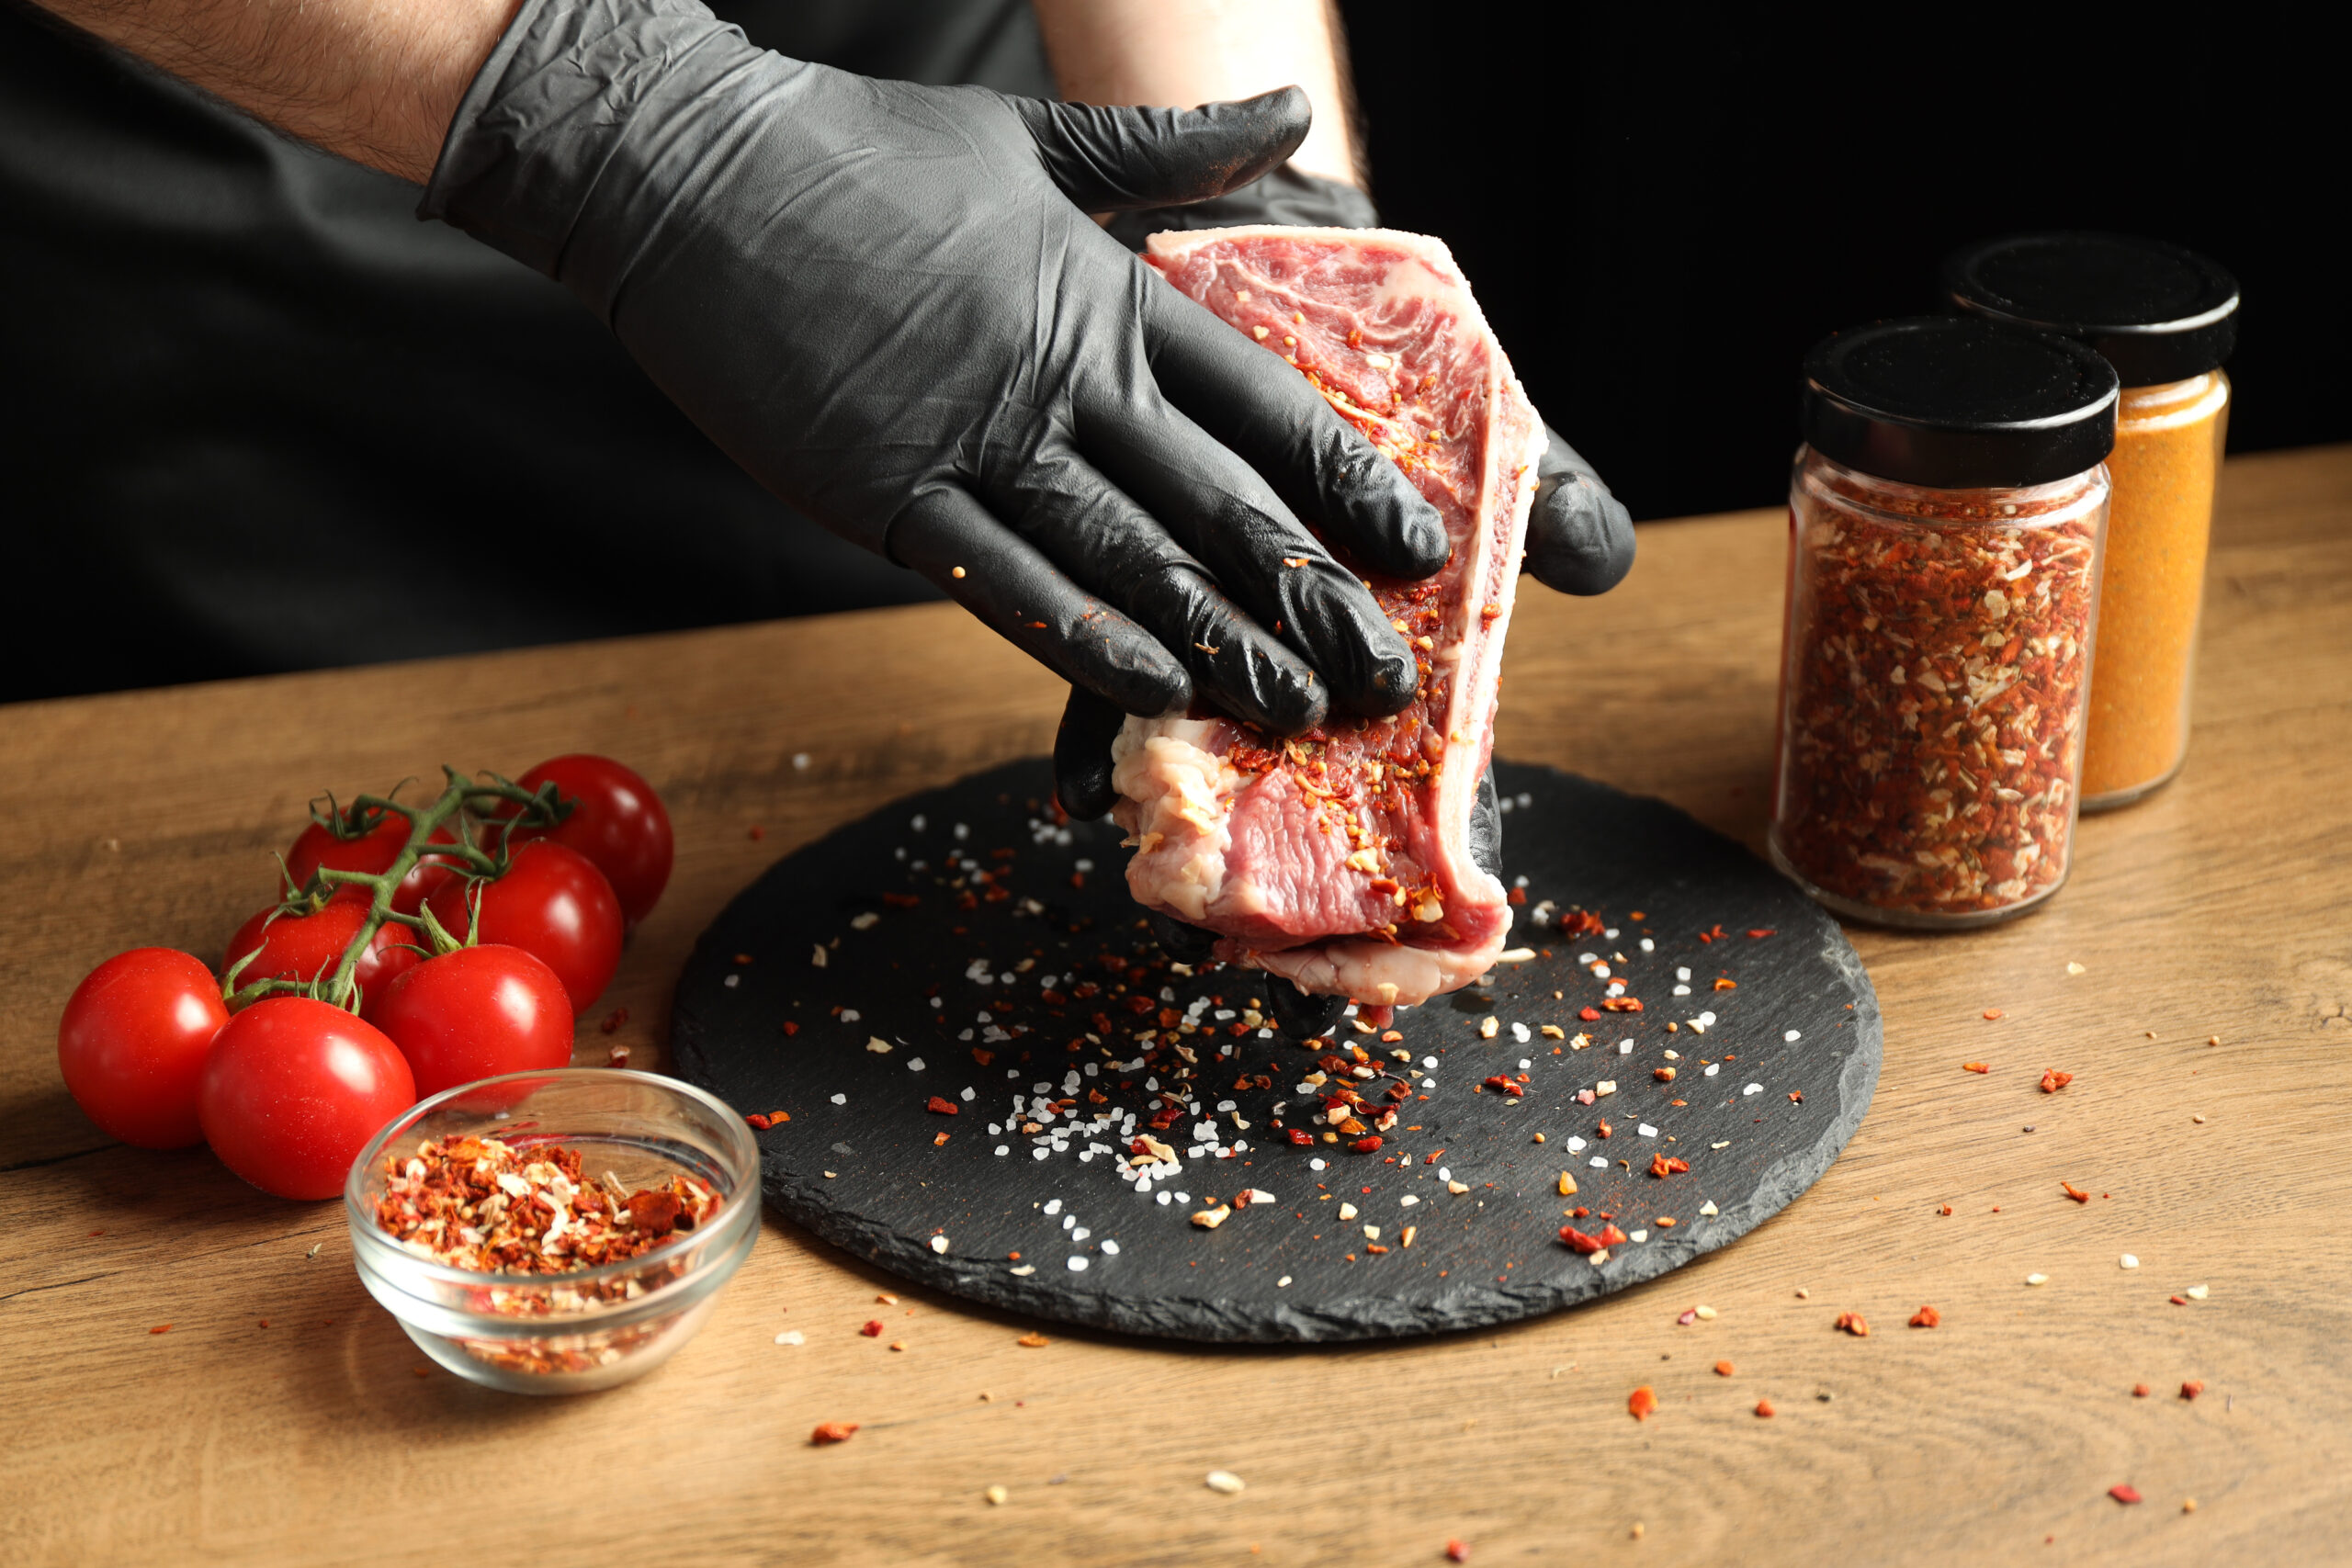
[[976, 988]]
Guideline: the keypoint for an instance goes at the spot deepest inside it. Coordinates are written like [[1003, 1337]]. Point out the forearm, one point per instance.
[[1178, 54], [375, 81]]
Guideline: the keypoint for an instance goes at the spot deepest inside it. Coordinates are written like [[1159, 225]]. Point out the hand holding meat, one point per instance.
[[1579, 536], [887, 302]]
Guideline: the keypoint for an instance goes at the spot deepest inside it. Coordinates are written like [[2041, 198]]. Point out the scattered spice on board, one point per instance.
[[832, 1432], [1033, 1340], [2192, 1387], [1459, 1551], [2053, 1080], [1976, 1067], [1932, 723], [1927, 1317], [1764, 1408], [1642, 1404], [1723, 1369], [1855, 1323], [2124, 1494], [2077, 1193]]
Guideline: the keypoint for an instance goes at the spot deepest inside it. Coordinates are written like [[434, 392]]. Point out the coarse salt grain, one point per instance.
[[1793, 1035], [2037, 1278], [1223, 1481], [939, 1244], [792, 1337], [2128, 1261], [840, 1100]]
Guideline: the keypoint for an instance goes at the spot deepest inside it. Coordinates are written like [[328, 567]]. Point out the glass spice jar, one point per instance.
[[2166, 319], [1945, 517]]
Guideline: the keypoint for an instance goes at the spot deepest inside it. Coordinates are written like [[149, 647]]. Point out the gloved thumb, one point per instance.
[[1115, 159]]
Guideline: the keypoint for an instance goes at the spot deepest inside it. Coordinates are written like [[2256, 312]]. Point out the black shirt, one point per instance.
[[263, 418]]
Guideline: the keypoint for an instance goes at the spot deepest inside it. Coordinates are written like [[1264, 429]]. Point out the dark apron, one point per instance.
[[263, 418]]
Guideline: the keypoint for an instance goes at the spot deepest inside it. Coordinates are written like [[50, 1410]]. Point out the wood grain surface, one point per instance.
[[2215, 910]]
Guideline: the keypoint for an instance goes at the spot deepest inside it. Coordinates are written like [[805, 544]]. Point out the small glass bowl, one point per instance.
[[591, 1328]]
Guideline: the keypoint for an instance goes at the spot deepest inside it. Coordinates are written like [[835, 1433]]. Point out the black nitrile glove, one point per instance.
[[887, 302]]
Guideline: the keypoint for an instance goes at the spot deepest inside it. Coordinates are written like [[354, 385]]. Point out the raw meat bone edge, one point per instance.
[[1178, 788]]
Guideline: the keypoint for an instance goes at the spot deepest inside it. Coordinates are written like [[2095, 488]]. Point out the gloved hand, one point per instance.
[[887, 302]]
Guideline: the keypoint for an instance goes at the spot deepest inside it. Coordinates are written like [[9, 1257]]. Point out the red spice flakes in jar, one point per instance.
[[1947, 518]]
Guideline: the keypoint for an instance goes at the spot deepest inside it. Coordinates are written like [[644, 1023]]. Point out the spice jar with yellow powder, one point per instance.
[[2166, 319]]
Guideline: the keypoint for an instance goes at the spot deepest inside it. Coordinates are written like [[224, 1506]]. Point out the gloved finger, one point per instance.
[[1579, 537], [1485, 827], [1223, 514], [1299, 1015], [1184, 943], [1259, 406], [1110, 160], [1068, 509], [1082, 754], [947, 535]]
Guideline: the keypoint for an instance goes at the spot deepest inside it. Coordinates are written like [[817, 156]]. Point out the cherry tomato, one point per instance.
[[392, 952], [372, 853], [132, 1041], [616, 821], [475, 1013], [553, 904], [293, 1090], [295, 947]]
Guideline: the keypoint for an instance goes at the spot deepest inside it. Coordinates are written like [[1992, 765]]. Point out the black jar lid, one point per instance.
[[1954, 402], [2158, 312]]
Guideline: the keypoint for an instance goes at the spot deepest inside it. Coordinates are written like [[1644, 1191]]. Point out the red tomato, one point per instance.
[[616, 821], [295, 947], [131, 1045], [392, 953], [293, 1090], [475, 1013], [372, 853], [554, 905]]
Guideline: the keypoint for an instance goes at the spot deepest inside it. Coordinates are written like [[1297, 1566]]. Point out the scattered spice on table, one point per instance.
[[2124, 1494], [2192, 1387], [1976, 1067], [2053, 1080], [1459, 1551], [1764, 1408], [1927, 1317], [1642, 1404], [1855, 1323], [829, 1432]]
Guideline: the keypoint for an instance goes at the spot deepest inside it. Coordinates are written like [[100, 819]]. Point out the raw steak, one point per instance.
[[1341, 858]]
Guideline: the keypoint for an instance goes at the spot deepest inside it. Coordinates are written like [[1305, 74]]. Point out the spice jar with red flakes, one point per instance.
[[1946, 518]]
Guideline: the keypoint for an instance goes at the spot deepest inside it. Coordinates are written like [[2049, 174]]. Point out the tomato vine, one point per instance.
[[469, 808]]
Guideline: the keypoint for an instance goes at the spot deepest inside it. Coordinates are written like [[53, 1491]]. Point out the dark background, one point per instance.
[[1662, 205]]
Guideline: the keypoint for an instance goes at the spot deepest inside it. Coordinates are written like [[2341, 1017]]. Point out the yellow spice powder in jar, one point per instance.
[[2167, 453], [2166, 319]]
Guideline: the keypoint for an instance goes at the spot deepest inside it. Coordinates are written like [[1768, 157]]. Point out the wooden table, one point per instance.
[[2216, 910]]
